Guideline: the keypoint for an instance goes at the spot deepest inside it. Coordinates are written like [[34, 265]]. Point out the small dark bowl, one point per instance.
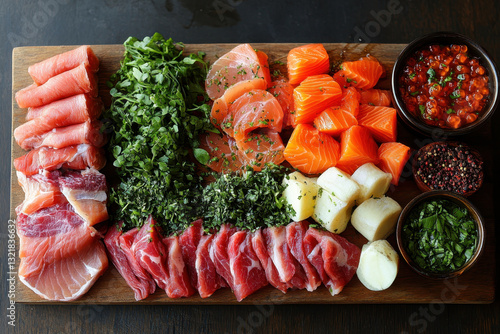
[[474, 50], [415, 165], [458, 200]]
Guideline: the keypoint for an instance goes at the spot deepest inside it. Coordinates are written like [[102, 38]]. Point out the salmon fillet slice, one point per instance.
[[40, 191]]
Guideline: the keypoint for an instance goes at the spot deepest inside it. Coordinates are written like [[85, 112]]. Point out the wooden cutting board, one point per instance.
[[475, 286]]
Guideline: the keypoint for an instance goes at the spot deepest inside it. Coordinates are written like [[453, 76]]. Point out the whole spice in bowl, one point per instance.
[[450, 166]]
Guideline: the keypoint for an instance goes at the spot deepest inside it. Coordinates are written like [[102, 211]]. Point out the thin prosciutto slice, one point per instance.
[[72, 110], [44, 70], [248, 275], [72, 157], [119, 259], [219, 253], [188, 241], [335, 259], [208, 281], [86, 191], [79, 80], [178, 285]]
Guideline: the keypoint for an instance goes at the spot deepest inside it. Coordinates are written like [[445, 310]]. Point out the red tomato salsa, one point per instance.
[[444, 86]]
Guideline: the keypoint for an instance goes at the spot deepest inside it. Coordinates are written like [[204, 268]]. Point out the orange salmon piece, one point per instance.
[[334, 121], [350, 100], [311, 151], [357, 148], [313, 95], [393, 157], [239, 64], [376, 97], [381, 121], [220, 108], [259, 149], [264, 63], [307, 60], [255, 109], [362, 74], [222, 151], [283, 92]]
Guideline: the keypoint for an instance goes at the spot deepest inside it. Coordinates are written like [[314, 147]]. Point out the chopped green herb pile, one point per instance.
[[440, 236], [249, 201], [158, 111]]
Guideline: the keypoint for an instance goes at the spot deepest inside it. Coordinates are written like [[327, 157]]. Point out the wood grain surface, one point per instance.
[[475, 286]]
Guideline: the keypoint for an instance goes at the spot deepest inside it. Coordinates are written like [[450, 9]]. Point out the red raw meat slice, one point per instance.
[[126, 242], [50, 235], [72, 110], [151, 253], [277, 248], [140, 287], [295, 233], [218, 253], [86, 191], [245, 267], [335, 258], [208, 280], [79, 80], [70, 277], [40, 191], [272, 275], [189, 240], [73, 157], [46, 69], [178, 282]]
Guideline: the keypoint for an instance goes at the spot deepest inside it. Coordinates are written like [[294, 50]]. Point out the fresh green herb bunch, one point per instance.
[[247, 201], [158, 111], [440, 236]]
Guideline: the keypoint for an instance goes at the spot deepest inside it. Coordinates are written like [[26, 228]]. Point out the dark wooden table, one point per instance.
[[59, 22]]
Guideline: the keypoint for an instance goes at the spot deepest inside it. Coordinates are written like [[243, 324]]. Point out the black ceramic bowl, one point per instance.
[[461, 201], [474, 50]]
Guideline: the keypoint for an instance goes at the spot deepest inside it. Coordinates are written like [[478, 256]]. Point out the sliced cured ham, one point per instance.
[[219, 256], [77, 157], [239, 64], [89, 132], [188, 241], [272, 275], [119, 259], [86, 191], [126, 241], [178, 283], [72, 110], [151, 253], [335, 259], [40, 191], [208, 281], [44, 70], [277, 248], [295, 233], [49, 235], [70, 277], [79, 80], [248, 275]]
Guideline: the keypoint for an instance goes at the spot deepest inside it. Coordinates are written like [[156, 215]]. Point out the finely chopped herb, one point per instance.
[[157, 112], [440, 236]]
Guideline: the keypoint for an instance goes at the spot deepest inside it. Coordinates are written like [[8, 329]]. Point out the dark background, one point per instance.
[[60, 22]]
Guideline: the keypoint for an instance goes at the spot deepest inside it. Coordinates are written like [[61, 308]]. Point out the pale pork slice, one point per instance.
[[219, 256], [119, 259], [295, 233], [335, 258], [73, 157], [50, 235], [248, 275], [126, 240], [40, 191], [272, 275], [178, 282], [86, 191], [208, 281], [189, 240], [151, 253], [70, 277], [46, 69]]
